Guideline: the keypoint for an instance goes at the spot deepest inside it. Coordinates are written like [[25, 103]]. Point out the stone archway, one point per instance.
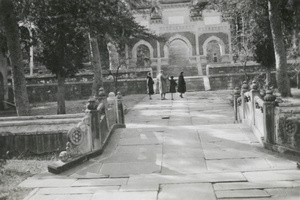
[[143, 56], [216, 45], [213, 52], [178, 50], [135, 49]]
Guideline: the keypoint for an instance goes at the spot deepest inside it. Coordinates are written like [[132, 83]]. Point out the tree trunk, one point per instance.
[[283, 82], [98, 79], [13, 42], [61, 105]]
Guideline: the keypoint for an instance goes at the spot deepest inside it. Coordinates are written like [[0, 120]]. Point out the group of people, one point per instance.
[[162, 84]]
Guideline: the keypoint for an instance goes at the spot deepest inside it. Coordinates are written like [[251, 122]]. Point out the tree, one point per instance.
[[63, 41], [283, 82], [13, 42]]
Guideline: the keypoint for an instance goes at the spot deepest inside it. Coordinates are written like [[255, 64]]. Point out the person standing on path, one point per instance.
[[150, 83], [181, 85], [173, 85], [162, 84]]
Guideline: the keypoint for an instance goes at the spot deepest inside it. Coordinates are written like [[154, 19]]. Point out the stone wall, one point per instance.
[[80, 90]]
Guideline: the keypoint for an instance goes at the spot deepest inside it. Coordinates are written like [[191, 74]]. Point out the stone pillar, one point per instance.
[[120, 110], [111, 109], [243, 90], [158, 58], [198, 60], [253, 93], [94, 132], [236, 95], [268, 117]]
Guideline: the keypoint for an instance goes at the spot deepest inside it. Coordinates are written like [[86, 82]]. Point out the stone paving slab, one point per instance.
[[253, 185], [75, 190], [241, 194], [116, 195], [284, 194], [183, 166], [243, 164], [141, 153], [186, 191], [191, 178], [51, 182], [173, 151], [100, 182], [139, 187], [63, 197], [131, 168], [278, 175]]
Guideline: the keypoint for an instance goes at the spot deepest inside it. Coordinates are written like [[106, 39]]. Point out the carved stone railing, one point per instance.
[[102, 116], [275, 125]]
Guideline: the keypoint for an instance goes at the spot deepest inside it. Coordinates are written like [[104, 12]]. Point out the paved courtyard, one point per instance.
[[186, 149]]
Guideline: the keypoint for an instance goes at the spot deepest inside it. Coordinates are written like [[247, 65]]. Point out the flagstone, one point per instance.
[[130, 168], [253, 185], [278, 175], [51, 182], [186, 191], [62, 197], [149, 195], [139, 187], [100, 182], [183, 165], [75, 190], [241, 194], [242, 164]]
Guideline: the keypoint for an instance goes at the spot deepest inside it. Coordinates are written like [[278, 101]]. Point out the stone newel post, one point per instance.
[[269, 120], [243, 91], [253, 93], [120, 110], [236, 95]]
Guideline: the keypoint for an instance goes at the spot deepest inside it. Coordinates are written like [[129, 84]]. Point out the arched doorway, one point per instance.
[[1, 92], [143, 56], [178, 53], [213, 52]]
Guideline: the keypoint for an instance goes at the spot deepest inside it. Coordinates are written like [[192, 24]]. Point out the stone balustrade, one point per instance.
[[276, 125], [102, 116]]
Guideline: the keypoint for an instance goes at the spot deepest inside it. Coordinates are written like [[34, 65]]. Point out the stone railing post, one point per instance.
[[120, 110], [236, 95], [111, 109], [92, 113], [243, 91], [268, 117], [253, 93]]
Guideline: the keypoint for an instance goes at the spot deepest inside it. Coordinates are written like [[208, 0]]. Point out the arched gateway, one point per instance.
[[192, 39]]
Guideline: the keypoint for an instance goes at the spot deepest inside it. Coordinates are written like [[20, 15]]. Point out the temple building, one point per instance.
[[193, 39]]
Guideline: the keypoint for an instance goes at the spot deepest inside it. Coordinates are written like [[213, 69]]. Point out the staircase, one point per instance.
[[196, 83]]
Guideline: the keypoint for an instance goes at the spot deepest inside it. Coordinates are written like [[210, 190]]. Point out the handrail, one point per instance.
[[8, 103]]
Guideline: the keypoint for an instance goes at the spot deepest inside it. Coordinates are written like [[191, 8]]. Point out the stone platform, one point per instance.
[[186, 149]]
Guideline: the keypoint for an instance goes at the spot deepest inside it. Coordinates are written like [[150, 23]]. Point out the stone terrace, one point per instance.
[[183, 149]]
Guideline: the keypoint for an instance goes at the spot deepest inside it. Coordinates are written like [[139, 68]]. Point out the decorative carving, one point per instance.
[[291, 127], [269, 96], [236, 91], [245, 87], [257, 106], [254, 85], [239, 101], [76, 136], [91, 104]]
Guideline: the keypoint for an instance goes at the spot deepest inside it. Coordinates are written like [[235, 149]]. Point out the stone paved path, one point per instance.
[[186, 149]]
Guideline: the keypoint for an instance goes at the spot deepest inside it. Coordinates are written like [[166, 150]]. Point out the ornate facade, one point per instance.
[[192, 39]]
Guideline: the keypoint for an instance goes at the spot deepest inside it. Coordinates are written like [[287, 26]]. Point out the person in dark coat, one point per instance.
[[173, 85], [150, 83], [181, 85]]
